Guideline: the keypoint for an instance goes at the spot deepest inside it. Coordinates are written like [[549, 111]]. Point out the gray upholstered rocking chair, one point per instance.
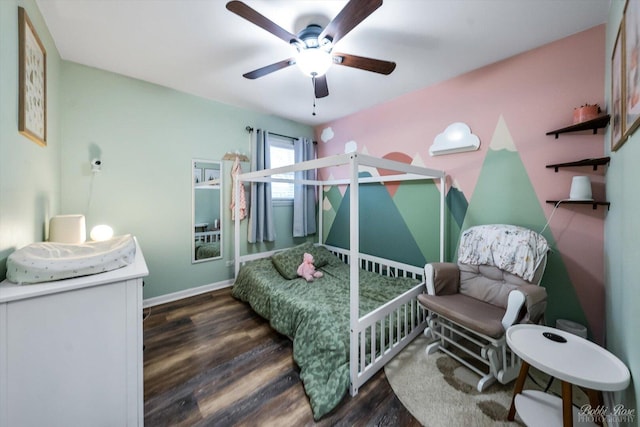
[[493, 286]]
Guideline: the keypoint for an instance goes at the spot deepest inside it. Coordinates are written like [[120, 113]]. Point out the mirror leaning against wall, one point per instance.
[[206, 210]]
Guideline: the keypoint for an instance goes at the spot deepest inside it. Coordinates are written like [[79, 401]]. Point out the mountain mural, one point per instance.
[[504, 194], [457, 206], [418, 202], [383, 230], [330, 201]]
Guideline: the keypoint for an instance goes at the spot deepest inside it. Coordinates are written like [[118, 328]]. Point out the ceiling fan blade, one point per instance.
[[320, 86], [269, 69], [351, 15], [363, 63], [246, 12]]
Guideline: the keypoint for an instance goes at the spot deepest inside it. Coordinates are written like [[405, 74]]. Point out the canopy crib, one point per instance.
[[370, 330]]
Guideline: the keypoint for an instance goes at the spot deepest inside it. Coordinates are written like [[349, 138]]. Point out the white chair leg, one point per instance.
[[485, 382], [491, 356], [507, 375], [432, 348]]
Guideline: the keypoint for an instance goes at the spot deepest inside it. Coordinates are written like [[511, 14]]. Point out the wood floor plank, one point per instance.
[[210, 360], [238, 385]]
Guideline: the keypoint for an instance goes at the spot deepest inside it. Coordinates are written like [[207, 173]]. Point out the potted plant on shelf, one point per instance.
[[585, 113]]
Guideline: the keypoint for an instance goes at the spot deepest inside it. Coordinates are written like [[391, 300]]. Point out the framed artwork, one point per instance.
[[617, 81], [631, 66], [32, 82], [197, 175]]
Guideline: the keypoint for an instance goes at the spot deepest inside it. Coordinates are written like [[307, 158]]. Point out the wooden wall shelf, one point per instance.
[[595, 124], [585, 162], [594, 203]]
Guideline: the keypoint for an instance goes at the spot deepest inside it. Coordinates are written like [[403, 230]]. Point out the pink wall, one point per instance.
[[533, 93]]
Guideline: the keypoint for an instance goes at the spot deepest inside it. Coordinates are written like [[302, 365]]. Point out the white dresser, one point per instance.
[[71, 350]]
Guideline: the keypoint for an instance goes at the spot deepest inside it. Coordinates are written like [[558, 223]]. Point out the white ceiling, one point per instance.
[[199, 47]]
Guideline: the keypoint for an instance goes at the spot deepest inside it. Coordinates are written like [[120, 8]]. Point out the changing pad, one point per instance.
[[47, 261]]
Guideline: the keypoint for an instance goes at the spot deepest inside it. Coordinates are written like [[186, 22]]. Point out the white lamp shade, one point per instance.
[[580, 188], [314, 61], [67, 229]]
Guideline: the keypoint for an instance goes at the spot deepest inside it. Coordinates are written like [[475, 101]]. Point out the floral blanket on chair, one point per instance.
[[511, 248]]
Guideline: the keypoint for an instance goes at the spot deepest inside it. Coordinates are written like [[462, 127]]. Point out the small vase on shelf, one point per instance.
[[585, 113]]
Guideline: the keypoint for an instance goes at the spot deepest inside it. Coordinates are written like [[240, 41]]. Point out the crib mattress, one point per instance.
[[48, 261]]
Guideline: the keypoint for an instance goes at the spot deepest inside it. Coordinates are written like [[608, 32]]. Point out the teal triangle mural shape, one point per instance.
[[457, 207], [383, 231], [457, 204], [419, 204], [330, 202], [334, 196], [504, 195]]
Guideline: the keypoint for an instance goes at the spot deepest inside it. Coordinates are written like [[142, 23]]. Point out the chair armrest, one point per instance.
[[515, 302], [442, 278], [532, 298], [535, 304]]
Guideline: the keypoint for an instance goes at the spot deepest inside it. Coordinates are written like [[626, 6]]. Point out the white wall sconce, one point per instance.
[[456, 138], [350, 147]]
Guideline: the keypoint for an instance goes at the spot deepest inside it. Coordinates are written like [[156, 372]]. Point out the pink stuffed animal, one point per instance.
[[307, 269]]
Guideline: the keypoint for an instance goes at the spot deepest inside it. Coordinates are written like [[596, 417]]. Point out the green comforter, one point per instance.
[[207, 250], [316, 316]]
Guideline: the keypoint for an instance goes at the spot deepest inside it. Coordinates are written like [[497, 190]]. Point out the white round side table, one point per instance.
[[571, 359]]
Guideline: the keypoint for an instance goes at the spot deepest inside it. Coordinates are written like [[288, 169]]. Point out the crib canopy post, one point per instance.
[[236, 226], [354, 263], [443, 195]]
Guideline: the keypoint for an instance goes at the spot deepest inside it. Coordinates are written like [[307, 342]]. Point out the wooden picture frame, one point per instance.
[[32, 81], [618, 136], [631, 66]]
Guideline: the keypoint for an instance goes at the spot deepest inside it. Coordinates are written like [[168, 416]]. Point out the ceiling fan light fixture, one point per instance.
[[313, 62]]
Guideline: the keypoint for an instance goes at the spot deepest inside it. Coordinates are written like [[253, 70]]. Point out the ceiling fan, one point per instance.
[[315, 44]]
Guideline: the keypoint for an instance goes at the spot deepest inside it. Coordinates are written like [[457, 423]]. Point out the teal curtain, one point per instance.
[[304, 196], [261, 225]]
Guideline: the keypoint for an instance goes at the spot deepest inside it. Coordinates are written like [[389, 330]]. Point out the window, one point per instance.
[[282, 154]]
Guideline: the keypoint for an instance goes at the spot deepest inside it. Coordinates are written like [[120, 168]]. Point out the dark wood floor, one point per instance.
[[210, 360]]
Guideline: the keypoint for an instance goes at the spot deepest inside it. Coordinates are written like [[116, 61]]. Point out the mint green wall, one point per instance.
[[29, 173], [146, 136], [621, 251]]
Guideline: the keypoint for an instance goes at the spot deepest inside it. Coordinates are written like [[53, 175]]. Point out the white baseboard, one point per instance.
[[175, 296]]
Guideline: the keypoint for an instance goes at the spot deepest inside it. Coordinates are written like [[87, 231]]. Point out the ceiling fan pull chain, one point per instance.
[[313, 80]]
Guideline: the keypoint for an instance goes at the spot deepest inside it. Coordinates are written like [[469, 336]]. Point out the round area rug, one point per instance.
[[439, 391]]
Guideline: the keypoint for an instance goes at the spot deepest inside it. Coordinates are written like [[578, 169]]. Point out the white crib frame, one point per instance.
[[207, 236], [362, 366]]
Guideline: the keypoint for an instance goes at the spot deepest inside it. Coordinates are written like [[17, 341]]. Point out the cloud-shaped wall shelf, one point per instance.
[[456, 138]]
